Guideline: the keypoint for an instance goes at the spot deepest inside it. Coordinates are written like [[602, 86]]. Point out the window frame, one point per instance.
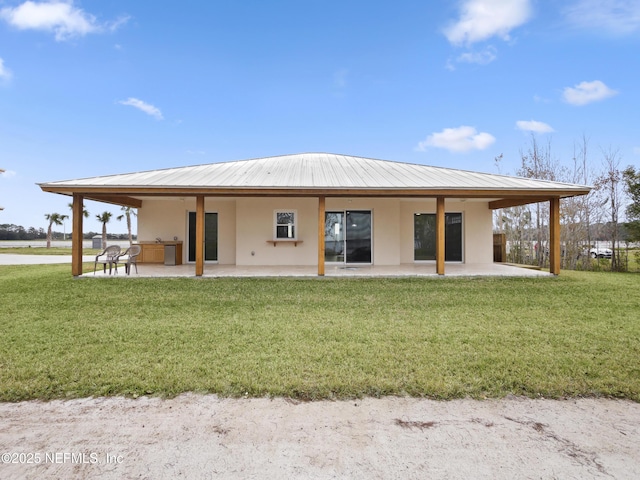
[[276, 224]]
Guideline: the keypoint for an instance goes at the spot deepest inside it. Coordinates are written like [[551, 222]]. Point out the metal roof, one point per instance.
[[312, 171]]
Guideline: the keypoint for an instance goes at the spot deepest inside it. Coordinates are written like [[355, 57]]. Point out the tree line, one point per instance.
[[10, 231], [587, 221], [17, 232]]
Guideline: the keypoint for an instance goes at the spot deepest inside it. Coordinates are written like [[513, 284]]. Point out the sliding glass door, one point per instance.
[[424, 240], [358, 237], [210, 237], [334, 237], [348, 236]]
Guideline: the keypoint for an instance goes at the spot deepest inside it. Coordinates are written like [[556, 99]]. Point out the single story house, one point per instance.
[[317, 209]]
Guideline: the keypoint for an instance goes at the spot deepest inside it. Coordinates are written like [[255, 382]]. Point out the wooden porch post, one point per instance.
[[76, 235], [321, 221], [554, 236], [199, 235], [440, 235]]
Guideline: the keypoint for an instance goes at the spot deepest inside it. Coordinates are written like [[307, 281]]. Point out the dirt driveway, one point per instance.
[[203, 436]]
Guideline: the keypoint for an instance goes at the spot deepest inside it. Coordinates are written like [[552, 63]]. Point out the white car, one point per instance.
[[600, 252]]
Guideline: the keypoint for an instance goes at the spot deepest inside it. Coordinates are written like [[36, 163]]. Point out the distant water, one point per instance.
[[54, 243]]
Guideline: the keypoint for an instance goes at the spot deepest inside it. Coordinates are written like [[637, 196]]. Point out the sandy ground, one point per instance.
[[203, 436]]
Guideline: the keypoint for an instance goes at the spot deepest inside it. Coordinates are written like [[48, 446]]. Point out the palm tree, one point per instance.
[[104, 219], [85, 214], [128, 211], [53, 218]]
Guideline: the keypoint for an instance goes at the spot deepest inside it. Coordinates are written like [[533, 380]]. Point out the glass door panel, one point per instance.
[[210, 237], [424, 236], [334, 237], [358, 237], [453, 237]]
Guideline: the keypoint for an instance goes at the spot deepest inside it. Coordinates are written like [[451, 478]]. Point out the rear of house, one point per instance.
[[316, 209]]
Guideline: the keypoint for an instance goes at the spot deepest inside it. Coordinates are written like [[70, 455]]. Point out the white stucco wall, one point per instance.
[[168, 218], [255, 226], [385, 220], [163, 219], [477, 230], [246, 224]]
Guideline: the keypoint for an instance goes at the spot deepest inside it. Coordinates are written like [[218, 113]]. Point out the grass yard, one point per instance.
[[575, 335]]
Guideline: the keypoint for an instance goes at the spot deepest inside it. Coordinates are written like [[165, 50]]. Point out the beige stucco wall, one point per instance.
[[245, 225], [163, 219], [477, 230], [255, 226], [385, 220], [168, 218]]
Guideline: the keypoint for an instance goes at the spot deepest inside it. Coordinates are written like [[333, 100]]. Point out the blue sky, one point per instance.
[[93, 88]]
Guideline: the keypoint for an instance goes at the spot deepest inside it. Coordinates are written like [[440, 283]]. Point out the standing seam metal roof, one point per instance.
[[316, 170]]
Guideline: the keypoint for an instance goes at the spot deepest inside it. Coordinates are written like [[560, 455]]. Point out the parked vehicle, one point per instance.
[[600, 252]]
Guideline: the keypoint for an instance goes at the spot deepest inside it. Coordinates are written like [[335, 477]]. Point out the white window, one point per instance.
[[285, 224]]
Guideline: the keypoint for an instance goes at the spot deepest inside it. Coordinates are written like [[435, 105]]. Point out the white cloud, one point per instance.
[[5, 73], [636, 150], [461, 139], [483, 57], [145, 107], [615, 16], [587, 92], [534, 126], [482, 19], [7, 174], [58, 16], [117, 23]]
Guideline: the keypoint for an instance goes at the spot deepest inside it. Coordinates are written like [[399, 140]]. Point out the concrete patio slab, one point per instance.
[[390, 271]]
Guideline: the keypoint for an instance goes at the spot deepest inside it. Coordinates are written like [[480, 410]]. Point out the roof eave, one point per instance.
[[130, 191]]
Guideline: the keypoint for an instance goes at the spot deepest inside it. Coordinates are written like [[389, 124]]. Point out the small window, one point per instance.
[[286, 224]]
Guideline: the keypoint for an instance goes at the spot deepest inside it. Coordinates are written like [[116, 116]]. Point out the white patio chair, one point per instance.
[[129, 257], [108, 256]]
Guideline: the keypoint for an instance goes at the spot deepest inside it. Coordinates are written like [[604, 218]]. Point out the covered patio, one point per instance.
[[298, 215], [368, 271]]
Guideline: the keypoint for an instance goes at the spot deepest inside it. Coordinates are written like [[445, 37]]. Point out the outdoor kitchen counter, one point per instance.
[[154, 252]]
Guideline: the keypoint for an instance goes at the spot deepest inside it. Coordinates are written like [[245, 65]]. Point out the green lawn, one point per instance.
[[575, 335]]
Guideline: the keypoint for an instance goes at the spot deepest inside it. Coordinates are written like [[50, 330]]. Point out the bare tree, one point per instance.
[[610, 185], [539, 163], [516, 222], [577, 212]]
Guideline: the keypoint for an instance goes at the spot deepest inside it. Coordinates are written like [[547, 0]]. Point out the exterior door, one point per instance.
[[334, 237], [424, 236], [348, 237], [210, 237]]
